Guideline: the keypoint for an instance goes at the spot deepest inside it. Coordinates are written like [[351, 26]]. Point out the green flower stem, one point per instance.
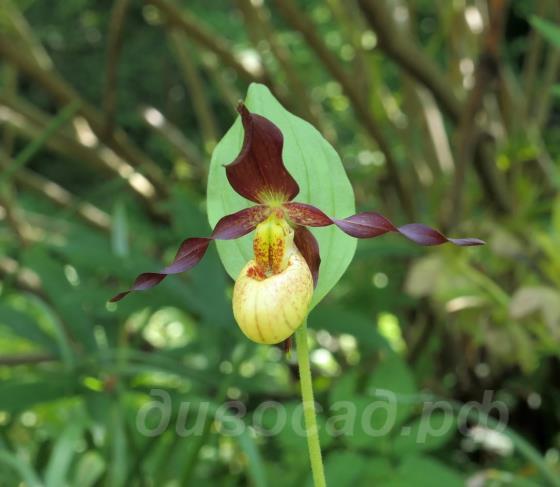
[[309, 407]]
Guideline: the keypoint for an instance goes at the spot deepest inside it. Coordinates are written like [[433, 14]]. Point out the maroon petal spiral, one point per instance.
[[192, 250], [370, 224]]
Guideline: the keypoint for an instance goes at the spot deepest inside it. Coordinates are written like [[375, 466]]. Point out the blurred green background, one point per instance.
[[444, 112]]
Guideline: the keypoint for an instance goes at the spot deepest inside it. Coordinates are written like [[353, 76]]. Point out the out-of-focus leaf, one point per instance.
[[18, 396], [382, 410], [505, 244], [549, 30], [423, 276], [319, 172], [529, 300], [422, 471], [378, 471], [343, 469], [247, 445], [556, 209], [392, 377], [24, 326], [338, 320], [119, 230], [24, 469], [345, 387], [69, 300], [29, 151], [289, 434], [89, 469], [61, 460], [427, 433], [119, 451], [58, 332]]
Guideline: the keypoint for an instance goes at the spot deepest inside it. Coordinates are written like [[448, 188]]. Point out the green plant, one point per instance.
[[273, 290]]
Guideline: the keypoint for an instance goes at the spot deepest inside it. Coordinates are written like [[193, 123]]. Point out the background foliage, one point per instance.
[[443, 112]]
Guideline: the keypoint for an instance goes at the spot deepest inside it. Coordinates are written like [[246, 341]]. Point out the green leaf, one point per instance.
[[337, 469], [427, 433], [425, 472], [118, 446], [31, 149], [290, 435], [89, 469], [24, 469], [383, 410], [24, 326], [321, 177], [549, 30], [18, 396], [392, 381], [69, 301], [338, 320], [64, 451], [119, 230], [345, 387]]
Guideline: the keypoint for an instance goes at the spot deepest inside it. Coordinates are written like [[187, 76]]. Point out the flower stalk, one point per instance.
[[308, 402]]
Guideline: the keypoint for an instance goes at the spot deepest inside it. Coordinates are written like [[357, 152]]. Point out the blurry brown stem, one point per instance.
[[10, 82], [197, 95], [345, 14], [257, 19], [58, 195], [194, 29], [549, 77], [222, 80], [31, 125], [533, 58], [175, 138], [301, 23], [114, 47], [407, 55], [24, 278], [65, 94], [543, 101], [486, 72], [26, 359], [19, 227]]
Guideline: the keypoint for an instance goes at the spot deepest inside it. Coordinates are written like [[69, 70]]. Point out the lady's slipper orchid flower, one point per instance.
[[273, 291]]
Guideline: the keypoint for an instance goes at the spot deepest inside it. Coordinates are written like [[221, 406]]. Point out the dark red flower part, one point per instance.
[[258, 173], [309, 247], [370, 224], [192, 250]]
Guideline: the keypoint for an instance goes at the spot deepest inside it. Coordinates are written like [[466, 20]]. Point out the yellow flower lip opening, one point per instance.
[[272, 293]]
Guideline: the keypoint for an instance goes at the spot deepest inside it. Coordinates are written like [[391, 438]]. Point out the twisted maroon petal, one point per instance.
[[370, 224], [309, 247], [192, 250], [258, 173]]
